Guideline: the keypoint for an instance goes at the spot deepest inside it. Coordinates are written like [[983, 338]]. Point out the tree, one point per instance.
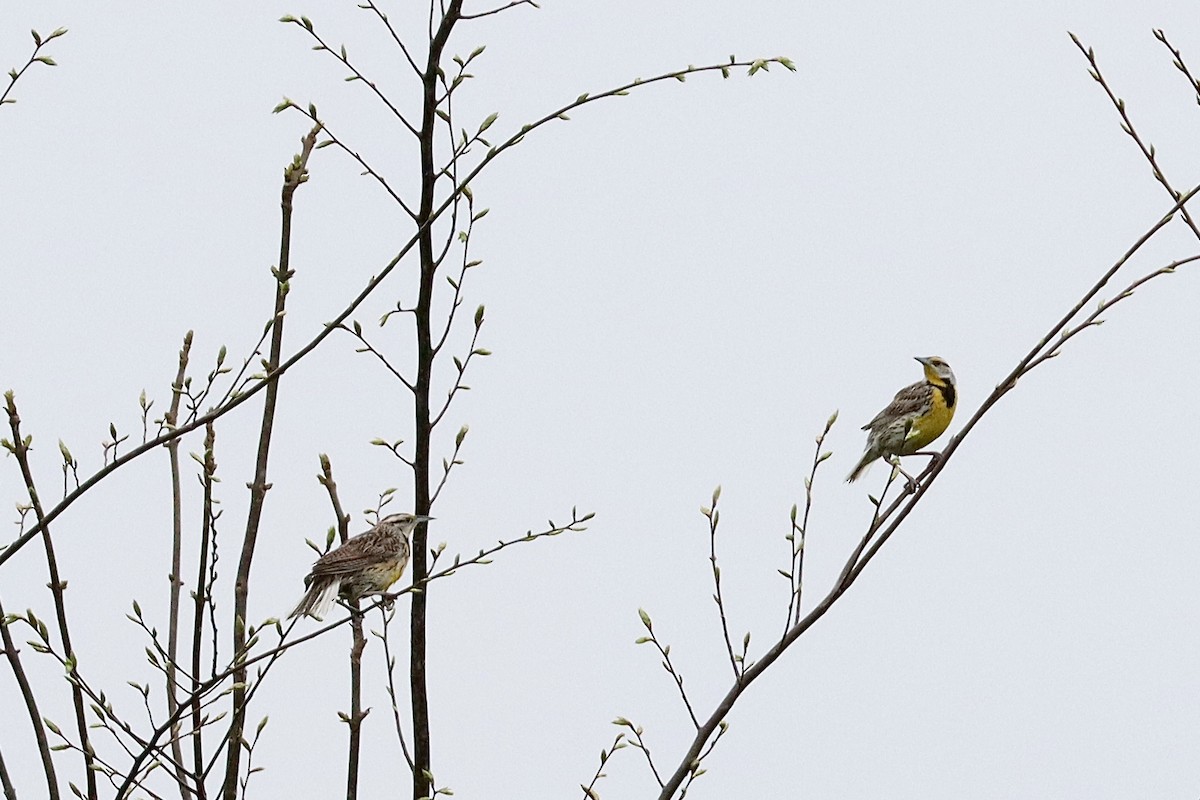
[[443, 215]]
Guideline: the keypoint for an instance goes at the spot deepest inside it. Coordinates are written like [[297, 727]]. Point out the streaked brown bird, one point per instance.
[[366, 564]]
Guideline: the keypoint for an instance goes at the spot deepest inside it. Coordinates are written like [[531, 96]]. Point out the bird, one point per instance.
[[917, 415], [365, 564]]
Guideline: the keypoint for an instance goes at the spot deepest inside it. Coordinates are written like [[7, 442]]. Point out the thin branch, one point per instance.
[[195, 402], [899, 510], [306, 24], [12, 655], [589, 790], [449, 463], [714, 518], [460, 365], [176, 582], [512, 4], [367, 169], [101, 706], [272, 657], [1094, 319], [369, 5], [696, 771], [1193, 81], [639, 743], [357, 642], [294, 176], [799, 533], [202, 595], [1127, 125], [355, 330], [16, 545], [241, 660], [456, 283], [14, 75], [19, 447], [388, 614], [10, 791], [665, 652]]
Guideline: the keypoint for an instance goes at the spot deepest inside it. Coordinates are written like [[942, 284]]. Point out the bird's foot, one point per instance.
[[911, 484]]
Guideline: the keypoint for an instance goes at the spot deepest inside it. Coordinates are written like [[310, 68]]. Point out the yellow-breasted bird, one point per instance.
[[366, 564], [919, 414]]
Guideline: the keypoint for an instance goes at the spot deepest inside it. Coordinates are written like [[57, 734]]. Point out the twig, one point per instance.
[[460, 365], [505, 7], [1127, 125], [797, 537], [306, 24], [449, 463], [14, 74], [202, 595], [370, 6], [35, 718], [388, 614], [10, 791], [640, 743], [19, 447], [665, 652], [589, 791], [1193, 81], [355, 330], [714, 518]]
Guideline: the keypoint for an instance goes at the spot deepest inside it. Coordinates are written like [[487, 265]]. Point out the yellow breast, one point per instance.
[[931, 425]]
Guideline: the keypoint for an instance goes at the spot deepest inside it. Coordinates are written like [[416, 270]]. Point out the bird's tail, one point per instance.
[[863, 465], [317, 599]]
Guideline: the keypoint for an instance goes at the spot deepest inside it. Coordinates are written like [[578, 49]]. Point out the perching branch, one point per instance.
[[878, 532], [240, 398], [358, 642], [241, 660]]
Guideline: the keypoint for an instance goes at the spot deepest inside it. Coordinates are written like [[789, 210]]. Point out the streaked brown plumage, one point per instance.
[[916, 416], [366, 564]]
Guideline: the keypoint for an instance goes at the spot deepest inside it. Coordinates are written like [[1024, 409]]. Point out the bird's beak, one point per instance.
[[923, 359], [423, 517]]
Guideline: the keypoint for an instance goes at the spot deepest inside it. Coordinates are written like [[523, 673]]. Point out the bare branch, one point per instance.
[[304, 24], [1127, 125], [505, 7], [36, 57], [19, 447], [878, 532]]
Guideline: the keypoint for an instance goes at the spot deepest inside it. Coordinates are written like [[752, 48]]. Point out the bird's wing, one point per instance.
[[908, 400], [360, 552]]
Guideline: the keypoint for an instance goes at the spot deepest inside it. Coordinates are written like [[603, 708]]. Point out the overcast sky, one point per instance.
[[681, 286]]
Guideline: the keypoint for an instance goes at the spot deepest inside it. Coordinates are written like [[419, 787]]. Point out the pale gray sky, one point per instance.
[[681, 286]]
